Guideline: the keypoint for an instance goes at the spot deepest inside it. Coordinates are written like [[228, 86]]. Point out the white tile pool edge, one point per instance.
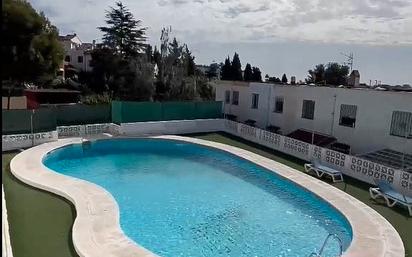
[[6, 250], [97, 232]]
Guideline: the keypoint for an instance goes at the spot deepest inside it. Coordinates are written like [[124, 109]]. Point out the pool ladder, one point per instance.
[[320, 252]]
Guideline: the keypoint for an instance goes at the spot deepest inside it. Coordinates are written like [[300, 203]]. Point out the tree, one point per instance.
[[284, 79], [135, 81], [332, 74], [236, 68], [248, 74], [156, 56], [105, 65], [178, 77], [149, 53], [336, 74], [316, 75], [125, 65], [226, 72], [273, 79], [212, 71], [31, 51], [256, 74], [203, 89], [123, 32], [189, 61]]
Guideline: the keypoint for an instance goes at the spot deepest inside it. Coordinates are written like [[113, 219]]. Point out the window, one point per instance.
[[227, 96], [278, 105], [401, 125], [235, 98], [308, 109], [80, 59], [255, 101], [347, 115], [67, 58]]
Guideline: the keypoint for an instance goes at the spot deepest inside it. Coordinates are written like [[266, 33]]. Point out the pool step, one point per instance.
[[320, 252], [86, 144]]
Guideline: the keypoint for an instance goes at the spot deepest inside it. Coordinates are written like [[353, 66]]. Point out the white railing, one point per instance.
[[84, 130], [352, 166], [19, 141]]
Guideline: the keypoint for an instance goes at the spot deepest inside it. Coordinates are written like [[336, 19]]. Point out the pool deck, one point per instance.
[[97, 232]]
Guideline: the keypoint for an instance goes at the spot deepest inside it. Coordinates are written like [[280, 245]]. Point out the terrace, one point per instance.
[[24, 201]]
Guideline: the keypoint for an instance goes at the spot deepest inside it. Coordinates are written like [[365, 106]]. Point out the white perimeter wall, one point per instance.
[[171, 127], [21, 141], [373, 118]]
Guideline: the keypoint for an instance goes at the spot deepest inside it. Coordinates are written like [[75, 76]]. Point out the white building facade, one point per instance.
[[76, 53], [367, 120]]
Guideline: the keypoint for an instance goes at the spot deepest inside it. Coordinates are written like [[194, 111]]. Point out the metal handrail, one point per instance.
[[319, 253]]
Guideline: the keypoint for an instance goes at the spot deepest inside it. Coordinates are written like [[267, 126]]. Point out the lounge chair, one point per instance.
[[391, 196], [320, 170]]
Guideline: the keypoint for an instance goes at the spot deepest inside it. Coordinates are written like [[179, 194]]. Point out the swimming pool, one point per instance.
[[182, 199]]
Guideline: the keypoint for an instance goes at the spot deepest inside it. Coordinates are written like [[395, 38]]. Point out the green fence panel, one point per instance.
[[44, 119], [79, 114], [178, 110], [141, 111], [16, 121], [208, 110], [124, 112], [117, 112]]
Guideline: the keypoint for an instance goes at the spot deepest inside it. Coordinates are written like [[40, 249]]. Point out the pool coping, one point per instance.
[[97, 232]]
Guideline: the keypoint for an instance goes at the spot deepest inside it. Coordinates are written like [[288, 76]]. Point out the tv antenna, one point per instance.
[[349, 61]]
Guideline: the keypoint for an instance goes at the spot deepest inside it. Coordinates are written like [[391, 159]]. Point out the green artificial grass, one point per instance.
[[40, 222], [398, 217]]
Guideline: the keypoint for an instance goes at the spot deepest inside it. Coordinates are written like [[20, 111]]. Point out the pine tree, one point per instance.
[[189, 61], [248, 74], [156, 56], [284, 79], [256, 74], [226, 72], [175, 51], [149, 53], [236, 68], [123, 33]]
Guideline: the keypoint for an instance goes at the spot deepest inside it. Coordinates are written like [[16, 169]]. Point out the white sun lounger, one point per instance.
[[321, 170], [391, 196]]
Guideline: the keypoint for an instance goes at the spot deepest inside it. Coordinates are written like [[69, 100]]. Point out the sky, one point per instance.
[[278, 36]]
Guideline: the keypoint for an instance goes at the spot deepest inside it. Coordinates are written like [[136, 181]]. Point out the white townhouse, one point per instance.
[[365, 119], [76, 53]]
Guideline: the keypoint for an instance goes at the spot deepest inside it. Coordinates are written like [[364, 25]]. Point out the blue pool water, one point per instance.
[[181, 199]]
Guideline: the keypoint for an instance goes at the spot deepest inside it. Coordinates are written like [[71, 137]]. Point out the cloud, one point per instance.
[[376, 22], [174, 2], [235, 11]]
